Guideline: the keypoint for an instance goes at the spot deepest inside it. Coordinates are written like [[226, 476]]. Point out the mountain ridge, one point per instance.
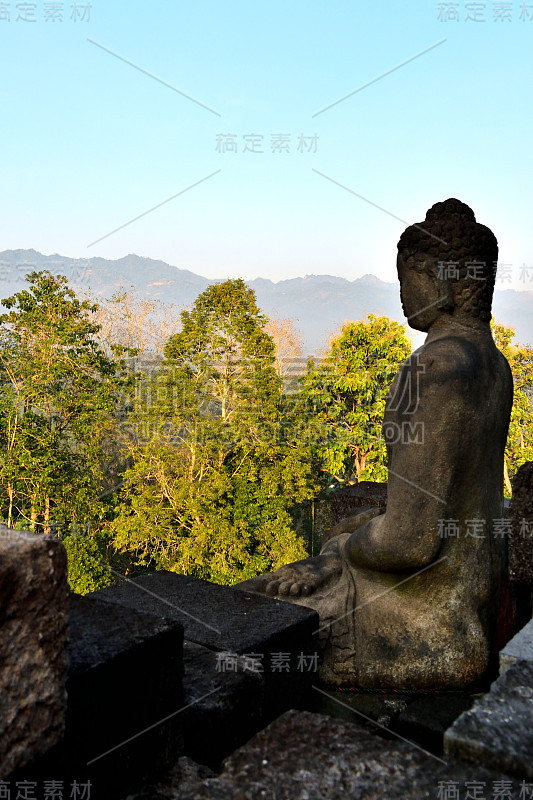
[[319, 304]]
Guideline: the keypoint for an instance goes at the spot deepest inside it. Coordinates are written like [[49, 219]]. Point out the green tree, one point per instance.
[[346, 394], [215, 472], [88, 568], [519, 446], [58, 394]]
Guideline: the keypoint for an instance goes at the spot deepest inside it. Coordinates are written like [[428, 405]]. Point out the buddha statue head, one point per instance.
[[447, 267]]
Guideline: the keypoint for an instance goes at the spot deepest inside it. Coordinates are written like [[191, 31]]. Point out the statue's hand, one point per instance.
[[351, 524]]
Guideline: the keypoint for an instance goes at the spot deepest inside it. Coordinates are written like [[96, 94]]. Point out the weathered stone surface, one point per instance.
[[353, 707], [520, 648], [304, 756], [218, 617], [348, 500], [228, 620], [521, 513], [222, 710], [498, 730], [125, 700], [125, 692], [184, 776], [426, 719], [416, 597], [124, 715], [33, 638], [422, 719]]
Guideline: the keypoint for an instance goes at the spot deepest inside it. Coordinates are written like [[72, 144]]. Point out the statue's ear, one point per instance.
[[443, 285], [445, 294]]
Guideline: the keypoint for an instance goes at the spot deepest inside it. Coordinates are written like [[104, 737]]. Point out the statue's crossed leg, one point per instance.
[[304, 578]]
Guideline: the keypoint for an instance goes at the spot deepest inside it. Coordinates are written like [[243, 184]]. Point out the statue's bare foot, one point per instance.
[[300, 579]]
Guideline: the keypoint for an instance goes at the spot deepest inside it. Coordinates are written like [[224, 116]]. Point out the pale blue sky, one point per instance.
[[88, 142]]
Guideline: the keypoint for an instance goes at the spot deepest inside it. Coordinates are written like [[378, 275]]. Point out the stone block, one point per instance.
[[125, 692], [498, 730], [305, 756], [124, 718], [520, 648], [229, 620], [222, 710], [33, 639]]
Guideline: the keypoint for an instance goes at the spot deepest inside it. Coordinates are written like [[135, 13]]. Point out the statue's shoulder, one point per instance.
[[453, 355]]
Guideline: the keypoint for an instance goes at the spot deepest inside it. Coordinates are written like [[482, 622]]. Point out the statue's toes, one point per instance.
[[296, 589], [271, 588], [306, 590], [285, 587]]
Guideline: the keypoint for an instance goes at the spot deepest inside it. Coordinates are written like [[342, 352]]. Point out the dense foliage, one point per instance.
[[520, 439], [58, 397], [144, 448], [346, 395], [213, 472]]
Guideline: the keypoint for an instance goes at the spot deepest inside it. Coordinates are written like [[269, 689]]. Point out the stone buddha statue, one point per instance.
[[414, 596]]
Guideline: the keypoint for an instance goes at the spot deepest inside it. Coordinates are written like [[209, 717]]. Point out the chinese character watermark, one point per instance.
[[24, 11], [254, 143], [474, 11], [477, 528], [260, 662]]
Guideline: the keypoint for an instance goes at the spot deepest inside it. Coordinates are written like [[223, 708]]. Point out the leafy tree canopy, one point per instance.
[[346, 393], [58, 394], [214, 471], [520, 438]]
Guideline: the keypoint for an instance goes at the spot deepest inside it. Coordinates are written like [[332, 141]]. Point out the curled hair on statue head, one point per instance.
[[464, 251]]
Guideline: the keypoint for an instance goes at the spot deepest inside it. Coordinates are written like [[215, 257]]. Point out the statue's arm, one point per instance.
[[421, 477], [351, 523]]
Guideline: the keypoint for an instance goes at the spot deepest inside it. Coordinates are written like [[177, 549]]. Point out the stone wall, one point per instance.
[[33, 639]]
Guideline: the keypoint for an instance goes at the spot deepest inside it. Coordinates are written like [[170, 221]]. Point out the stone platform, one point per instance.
[[124, 692], [305, 756], [276, 638], [140, 694], [184, 688]]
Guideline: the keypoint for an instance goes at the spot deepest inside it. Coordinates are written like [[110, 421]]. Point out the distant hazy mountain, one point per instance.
[[319, 304]]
